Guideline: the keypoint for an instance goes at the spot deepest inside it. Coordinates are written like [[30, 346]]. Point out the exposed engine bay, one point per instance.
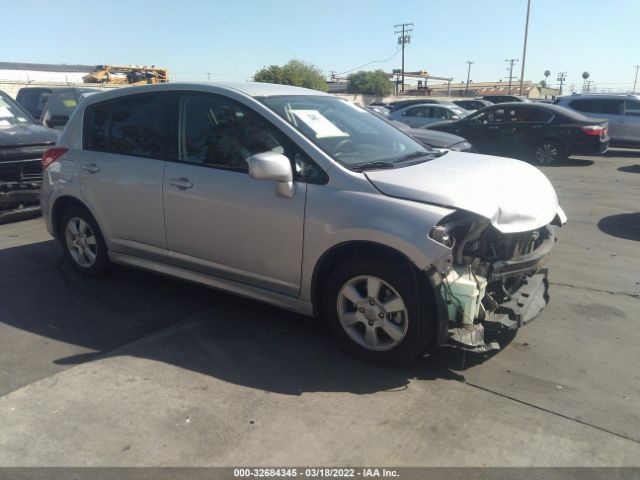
[[491, 279]]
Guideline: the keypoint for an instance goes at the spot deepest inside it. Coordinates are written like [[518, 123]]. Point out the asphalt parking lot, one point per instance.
[[136, 369]]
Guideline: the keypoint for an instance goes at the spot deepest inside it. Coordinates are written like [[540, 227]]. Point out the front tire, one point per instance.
[[83, 243], [377, 312]]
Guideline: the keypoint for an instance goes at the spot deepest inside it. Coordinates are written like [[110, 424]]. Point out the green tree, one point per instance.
[[370, 83], [294, 72]]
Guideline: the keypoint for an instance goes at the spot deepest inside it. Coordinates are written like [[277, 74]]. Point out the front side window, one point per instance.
[[347, 133], [218, 132], [495, 115], [631, 108]]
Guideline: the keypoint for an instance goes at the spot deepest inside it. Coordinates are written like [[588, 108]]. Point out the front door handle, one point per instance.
[[91, 168], [182, 183]]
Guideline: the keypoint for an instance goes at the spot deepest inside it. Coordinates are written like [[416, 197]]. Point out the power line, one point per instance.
[[369, 63], [404, 29], [511, 77]]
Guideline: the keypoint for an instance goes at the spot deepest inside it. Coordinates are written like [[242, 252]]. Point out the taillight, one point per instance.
[[595, 130], [51, 156]]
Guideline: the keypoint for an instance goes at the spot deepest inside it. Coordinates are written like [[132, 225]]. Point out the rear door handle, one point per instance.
[[91, 168], [182, 183]]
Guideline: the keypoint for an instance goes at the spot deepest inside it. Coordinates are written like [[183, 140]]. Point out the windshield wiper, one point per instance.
[[413, 155], [359, 167]]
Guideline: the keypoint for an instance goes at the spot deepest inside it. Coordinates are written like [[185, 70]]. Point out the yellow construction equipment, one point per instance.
[[127, 75]]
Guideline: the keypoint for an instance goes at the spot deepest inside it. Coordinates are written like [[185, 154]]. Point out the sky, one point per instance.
[[232, 39]]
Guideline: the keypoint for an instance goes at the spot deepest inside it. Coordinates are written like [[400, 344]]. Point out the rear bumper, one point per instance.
[[592, 146]]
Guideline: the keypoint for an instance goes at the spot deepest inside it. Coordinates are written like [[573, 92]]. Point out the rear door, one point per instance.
[[121, 170], [219, 220]]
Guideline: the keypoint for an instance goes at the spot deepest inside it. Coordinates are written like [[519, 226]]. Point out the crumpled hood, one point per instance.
[[513, 195]]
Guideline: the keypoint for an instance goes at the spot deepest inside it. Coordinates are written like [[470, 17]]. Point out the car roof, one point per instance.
[[252, 89], [599, 97], [555, 109]]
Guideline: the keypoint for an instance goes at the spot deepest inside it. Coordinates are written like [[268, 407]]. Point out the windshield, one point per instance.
[[461, 112], [351, 135], [11, 113]]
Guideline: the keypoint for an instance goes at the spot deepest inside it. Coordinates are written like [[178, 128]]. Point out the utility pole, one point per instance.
[[466, 90], [511, 77], [562, 76], [636, 79], [403, 29], [524, 50]]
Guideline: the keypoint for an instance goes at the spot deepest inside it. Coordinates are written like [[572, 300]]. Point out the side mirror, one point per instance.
[[276, 167]]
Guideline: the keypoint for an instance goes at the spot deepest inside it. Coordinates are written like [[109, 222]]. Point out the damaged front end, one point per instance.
[[491, 279]]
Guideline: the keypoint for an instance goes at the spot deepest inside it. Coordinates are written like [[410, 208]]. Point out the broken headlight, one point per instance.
[[460, 232]]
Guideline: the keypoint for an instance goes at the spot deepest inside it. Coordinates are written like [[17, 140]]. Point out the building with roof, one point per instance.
[[43, 72], [531, 90]]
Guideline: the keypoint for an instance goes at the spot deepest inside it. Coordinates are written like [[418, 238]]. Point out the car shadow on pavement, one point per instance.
[[630, 169], [572, 162], [623, 225], [135, 313]]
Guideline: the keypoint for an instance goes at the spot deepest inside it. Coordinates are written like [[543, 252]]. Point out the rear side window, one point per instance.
[[97, 121], [599, 105], [134, 125]]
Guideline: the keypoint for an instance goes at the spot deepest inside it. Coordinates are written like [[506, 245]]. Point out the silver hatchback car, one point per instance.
[[304, 201]]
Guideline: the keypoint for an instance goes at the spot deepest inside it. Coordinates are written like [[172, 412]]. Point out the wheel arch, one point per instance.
[[60, 205], [351, 250]]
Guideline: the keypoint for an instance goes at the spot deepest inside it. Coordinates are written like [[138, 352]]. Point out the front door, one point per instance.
[[218, 219]]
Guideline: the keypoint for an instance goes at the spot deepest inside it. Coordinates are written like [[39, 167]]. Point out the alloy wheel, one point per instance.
[[81, 242], [372, 313], [547, 153]]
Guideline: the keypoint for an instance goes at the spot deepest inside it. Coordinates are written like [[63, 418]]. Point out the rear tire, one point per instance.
[[83, 243], [377, 311], [548, 152]]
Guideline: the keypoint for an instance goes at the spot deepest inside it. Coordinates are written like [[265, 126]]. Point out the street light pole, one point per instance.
[[524, 51], [466, 90], [636, 79]]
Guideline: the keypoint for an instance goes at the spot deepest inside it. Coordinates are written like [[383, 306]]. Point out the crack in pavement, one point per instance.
[[591, 289], [561, 415]]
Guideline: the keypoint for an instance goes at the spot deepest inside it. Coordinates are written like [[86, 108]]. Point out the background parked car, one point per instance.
[[34, 99], [52, 106], [407, 103], [421, 115], [473, 105], [22, 144], [435, 139], [384, 111], [623, 113], [505, 98], [544, 133]]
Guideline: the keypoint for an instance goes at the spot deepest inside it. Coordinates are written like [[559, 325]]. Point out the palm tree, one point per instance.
[[546, 76], [585, 75]]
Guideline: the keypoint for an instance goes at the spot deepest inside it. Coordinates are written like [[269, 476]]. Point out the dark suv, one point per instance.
[[22, 144], [51, 106]]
